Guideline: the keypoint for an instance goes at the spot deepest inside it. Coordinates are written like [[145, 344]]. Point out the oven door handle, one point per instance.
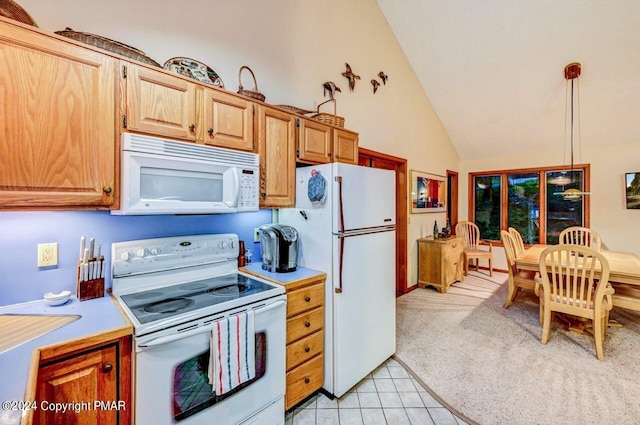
[[170, 338]]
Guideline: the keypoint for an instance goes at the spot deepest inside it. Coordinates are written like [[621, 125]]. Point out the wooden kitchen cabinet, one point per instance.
[[318, 143], [345, 146], [305, 339], [314, 141], [276, 146], [57, 123], [440, 262], [228, 121], [159, 104], [96, 380]]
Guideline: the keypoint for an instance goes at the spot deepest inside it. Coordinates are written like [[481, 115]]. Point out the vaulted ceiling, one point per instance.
[[494, 69]]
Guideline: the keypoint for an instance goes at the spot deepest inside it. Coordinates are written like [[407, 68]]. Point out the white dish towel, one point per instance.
[[232, 351]]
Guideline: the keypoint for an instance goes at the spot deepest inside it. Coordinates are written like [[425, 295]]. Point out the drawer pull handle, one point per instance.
[[107, 368], [307, 324], [307, 349], [307, 380], [307, 299], [210, 131], [454, 245], [192, 127]]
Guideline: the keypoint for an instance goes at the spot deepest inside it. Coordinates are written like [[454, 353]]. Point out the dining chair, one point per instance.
[[517, 239], [470, 233], [568, 284], [577, 235], [518, 279]]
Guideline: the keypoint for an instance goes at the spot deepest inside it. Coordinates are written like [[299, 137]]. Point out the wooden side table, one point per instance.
[[440, 262]]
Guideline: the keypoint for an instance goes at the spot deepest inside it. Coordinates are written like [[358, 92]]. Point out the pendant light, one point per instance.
[[571, 74]]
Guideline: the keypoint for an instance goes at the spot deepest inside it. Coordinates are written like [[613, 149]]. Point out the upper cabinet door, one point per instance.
[[345, 146], [276, 146], [228, 121], [160, 104], [314, 141], [57, 123]]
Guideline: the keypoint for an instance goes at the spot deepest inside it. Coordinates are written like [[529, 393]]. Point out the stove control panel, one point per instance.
[[151, 255]]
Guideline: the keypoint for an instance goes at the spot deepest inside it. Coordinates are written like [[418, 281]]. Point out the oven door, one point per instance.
[[171, 373]]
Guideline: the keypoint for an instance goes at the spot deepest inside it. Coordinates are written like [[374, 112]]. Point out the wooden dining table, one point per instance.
[[624, 266]]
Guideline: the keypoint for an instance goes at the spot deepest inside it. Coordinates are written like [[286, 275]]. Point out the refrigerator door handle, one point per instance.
[[339, 288], [338, 179]]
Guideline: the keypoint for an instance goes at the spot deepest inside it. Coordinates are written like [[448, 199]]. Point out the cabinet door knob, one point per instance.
[[210, 131], [307, 298], [107, 368], [107, 189], [307, 324], [307, 380], [307, 349], [192, 127]]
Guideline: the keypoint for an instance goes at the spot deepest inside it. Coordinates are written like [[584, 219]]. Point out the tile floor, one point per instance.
[[387, 396]]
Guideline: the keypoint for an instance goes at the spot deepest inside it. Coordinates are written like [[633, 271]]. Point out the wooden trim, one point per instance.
[[452, 208], [367, 157]]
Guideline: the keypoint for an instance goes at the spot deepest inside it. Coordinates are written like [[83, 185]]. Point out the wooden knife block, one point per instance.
[[88, 289]]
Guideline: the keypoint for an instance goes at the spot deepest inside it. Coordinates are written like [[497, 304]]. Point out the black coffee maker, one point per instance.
[[279, 247]]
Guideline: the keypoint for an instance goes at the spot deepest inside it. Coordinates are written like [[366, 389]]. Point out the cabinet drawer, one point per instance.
[[304, 380], [308, 347], [305, 324], [453, 246], [305, 299]]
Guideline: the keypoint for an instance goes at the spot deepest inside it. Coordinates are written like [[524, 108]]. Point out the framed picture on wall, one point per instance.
[[428, 192], [632, 184]]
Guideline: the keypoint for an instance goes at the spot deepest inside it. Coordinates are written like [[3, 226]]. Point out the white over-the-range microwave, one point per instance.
[[161, 176]]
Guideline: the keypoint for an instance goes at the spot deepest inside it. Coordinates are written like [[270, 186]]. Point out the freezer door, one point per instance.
[[364, 312], [363, 197]]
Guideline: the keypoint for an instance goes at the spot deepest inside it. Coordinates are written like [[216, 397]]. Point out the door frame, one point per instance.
[[369, 158]]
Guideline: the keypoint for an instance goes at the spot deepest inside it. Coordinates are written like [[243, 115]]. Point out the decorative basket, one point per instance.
[[108, 45], [332, 119], [295, 109], [250, 93], [12, 10]]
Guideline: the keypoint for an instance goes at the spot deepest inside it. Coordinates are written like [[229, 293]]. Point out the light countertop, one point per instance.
[[99, 315], [300, 274]]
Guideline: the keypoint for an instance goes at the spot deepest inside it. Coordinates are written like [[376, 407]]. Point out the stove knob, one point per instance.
[[222, 244], [126, 256], [233, 244], [142, 252], [154, 251]]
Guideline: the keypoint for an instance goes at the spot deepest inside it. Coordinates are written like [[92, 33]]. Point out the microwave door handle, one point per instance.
[[235, 172]]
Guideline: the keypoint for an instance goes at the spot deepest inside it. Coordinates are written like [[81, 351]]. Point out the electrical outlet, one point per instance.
[[256, 234], [47, 254]]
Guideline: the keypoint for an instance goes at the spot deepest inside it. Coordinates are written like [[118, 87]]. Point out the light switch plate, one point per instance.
[[47, 254]]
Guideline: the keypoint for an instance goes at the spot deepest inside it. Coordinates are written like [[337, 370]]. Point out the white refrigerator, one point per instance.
[[351, 235]]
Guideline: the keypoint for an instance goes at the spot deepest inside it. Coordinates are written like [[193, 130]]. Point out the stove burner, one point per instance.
[[170, 305], [231, 289], [192, 286], [146, 295]]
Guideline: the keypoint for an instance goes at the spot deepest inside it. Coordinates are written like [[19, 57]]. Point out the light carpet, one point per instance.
[[487, 363]]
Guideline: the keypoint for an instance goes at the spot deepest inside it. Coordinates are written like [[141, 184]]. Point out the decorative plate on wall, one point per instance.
[[193, 69]]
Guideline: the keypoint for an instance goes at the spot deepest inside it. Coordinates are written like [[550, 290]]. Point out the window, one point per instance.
[[528, 200]]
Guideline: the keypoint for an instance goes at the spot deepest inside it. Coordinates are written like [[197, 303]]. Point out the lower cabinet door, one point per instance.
[[79, 390]]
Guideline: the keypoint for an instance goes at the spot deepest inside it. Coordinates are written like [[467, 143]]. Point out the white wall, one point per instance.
[[293, 46], [618, 226]]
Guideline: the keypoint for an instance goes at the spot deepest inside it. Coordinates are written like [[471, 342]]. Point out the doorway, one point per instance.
[[369, 158]]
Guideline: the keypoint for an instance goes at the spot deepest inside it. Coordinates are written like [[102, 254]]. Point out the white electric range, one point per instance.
[[174, 290]]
